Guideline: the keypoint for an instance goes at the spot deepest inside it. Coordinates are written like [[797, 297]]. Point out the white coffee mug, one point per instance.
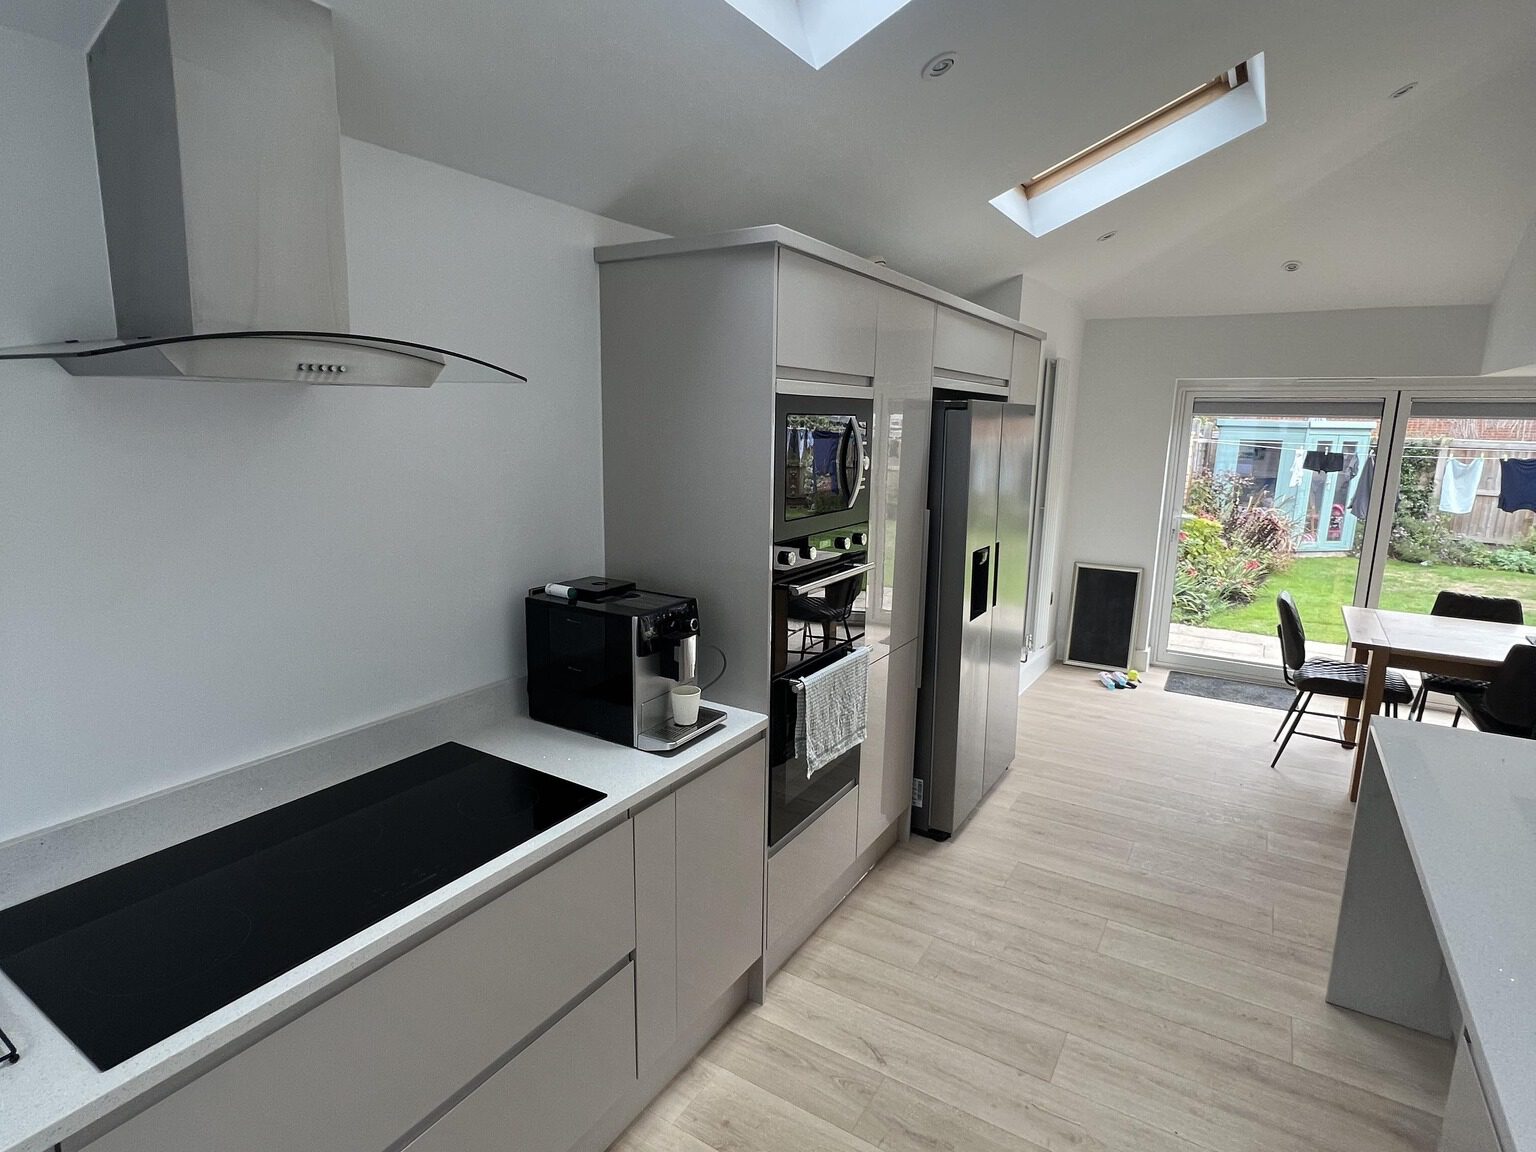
[[685, 705]]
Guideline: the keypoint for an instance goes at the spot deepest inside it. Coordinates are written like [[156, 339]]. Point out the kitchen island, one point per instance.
[[633, 918], [1437, 928]]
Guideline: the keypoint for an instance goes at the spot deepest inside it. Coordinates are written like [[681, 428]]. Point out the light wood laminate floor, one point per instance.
[[1126, 948]]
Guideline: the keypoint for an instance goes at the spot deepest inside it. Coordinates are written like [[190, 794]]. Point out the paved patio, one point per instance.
[[1222, 644]]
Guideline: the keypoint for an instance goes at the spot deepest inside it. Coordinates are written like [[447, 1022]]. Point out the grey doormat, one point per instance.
[[1236, 691]]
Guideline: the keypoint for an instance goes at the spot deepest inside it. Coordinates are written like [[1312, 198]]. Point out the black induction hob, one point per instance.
[[126, 958]]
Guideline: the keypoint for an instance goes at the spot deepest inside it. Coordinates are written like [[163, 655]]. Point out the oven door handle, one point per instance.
[[827, 581]]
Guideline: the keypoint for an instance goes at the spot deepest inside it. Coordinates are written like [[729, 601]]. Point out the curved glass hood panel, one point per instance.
[[344, 358]]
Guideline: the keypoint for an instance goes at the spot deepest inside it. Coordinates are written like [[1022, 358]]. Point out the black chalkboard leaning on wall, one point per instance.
[[1103, 623]]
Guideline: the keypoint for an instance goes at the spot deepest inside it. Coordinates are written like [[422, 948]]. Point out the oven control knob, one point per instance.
[[843, 543], [785, 557], [808, 553], [861, 539]]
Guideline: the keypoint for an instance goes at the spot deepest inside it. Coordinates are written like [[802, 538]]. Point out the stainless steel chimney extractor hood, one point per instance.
[[218, 143]]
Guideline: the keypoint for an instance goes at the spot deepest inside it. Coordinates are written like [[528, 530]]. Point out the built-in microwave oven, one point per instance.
[[821, 460]]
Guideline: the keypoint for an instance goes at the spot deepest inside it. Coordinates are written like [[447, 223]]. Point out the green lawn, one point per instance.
[[1321, 583]]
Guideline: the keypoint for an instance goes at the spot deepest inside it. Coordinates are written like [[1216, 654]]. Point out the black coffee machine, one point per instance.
[[604, 656]]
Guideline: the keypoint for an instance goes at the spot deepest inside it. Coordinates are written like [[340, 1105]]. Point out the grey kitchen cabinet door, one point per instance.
[[550, 1093], [885, 773], [872, 755], [1024, 376], [360, 1070], [899, 496], [972, 346], [827, 317], [656, 928], [721, 836]]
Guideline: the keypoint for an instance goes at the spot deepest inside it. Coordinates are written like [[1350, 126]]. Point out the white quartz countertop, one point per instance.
[[1467, 805], [54, 1092]]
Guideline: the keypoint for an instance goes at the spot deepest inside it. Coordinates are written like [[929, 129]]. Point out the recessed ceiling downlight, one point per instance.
[[1398, 93], [940, 65], [1292, 266]]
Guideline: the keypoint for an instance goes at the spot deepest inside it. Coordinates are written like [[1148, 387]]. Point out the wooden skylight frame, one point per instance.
[[1137, 131]]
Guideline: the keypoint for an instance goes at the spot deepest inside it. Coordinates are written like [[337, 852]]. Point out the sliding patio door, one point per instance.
[[1275, 495]]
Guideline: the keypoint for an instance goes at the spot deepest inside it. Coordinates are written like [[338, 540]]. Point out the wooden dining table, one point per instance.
[[1416, 642]]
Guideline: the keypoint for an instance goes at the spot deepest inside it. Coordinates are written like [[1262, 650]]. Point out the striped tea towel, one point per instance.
[[829, 714]]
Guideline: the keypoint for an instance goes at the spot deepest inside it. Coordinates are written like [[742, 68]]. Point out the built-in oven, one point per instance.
[[820, 596], [820, 592], [821, 457], [797, 796]]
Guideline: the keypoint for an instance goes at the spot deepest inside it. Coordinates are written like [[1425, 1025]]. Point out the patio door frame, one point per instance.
[[1396, 396]]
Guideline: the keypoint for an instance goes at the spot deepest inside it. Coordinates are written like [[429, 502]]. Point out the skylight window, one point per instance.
[[1198, 122], [818, 31]]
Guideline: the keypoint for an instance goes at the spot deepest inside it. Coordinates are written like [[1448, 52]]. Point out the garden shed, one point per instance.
[[1305, 468]]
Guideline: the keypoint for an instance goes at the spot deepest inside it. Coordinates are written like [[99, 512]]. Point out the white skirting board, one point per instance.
[[1035, 667]]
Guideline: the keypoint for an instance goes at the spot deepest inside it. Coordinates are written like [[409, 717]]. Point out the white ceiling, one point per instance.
[[684, 117], [70, 22]]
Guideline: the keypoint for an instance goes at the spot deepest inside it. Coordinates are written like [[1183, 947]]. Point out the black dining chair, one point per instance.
[[1507, 703], [1333, 678], [1464, 606]]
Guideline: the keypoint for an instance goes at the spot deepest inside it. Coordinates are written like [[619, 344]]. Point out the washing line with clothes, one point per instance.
[[1459, 484], [1360, 504], [1517, 485]]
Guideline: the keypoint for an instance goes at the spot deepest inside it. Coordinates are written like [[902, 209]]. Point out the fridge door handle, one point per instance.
[[997, 569], [980, 580]]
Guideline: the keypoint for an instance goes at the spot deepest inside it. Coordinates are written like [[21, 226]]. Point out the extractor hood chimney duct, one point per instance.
[[218, 143]]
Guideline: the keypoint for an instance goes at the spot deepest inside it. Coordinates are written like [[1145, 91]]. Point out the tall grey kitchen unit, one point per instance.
[[699, 338]]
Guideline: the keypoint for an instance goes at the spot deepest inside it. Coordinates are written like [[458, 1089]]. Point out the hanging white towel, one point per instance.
[[830, 716], [1298, 467], [1458, 486]]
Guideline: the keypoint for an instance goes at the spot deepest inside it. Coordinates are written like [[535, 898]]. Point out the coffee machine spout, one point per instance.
[[688, 659]]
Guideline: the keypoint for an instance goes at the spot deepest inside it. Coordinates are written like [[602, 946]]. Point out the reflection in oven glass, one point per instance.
[[826, 619]]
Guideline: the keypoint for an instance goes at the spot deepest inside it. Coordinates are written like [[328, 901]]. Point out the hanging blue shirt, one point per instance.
[[1517, 485]]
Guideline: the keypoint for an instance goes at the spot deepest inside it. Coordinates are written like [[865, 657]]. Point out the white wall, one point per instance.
[[194, 575], [1060, 318], [1125, 400], [1511, 345]]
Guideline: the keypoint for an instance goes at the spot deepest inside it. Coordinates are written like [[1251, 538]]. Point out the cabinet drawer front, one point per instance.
[[973, 346], [356, 1072], [556, 1088], [827, 317], [801, 874]]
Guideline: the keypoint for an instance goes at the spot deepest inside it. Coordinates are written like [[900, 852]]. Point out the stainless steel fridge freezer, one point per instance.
[[980, 476]]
